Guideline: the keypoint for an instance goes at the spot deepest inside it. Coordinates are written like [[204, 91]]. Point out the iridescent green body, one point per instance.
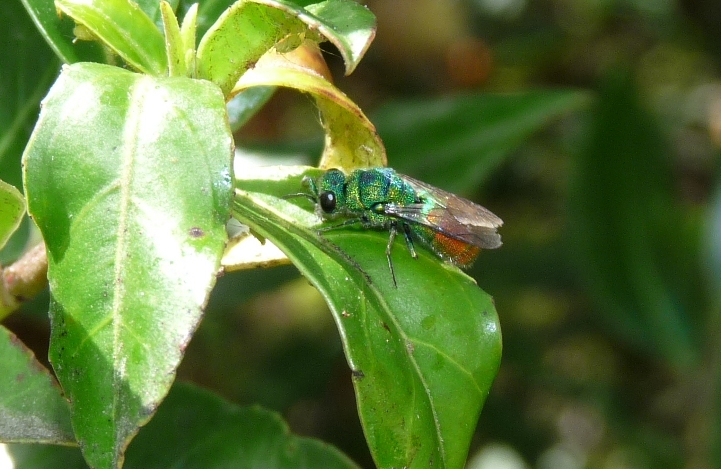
[[455, 229], [363, 193]]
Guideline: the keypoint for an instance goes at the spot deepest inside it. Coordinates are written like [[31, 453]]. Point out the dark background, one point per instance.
[[607, 285]]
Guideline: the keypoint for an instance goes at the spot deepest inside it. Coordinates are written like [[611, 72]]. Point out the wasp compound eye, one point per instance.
[[327, 201]]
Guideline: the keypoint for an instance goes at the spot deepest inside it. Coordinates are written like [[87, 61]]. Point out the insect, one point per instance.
[[455, 229]]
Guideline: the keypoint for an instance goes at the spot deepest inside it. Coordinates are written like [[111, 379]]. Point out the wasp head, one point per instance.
[[331, 192]]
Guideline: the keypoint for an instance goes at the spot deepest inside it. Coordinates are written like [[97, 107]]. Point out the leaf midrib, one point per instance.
[[374, 297], [128, 162]]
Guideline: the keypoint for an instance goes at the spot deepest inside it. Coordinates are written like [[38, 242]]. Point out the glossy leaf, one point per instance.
[[174, 45], [247, 29], [464, 138], [128, 178], [57, 31], [27, 456], [208, 13], [243, 33], [350, 26], [351, 139], [29, 69], [423, 355], [188, 32], [124, 27], [153, 9], [627, 243], [194, 428], [32, 408], [12, 209]]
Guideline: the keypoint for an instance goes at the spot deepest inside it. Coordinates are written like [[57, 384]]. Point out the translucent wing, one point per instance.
[[450, 215]]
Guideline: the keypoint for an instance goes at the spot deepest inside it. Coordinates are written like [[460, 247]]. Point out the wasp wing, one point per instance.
[[450, 215]]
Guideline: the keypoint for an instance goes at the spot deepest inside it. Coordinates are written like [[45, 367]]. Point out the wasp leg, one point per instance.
[[393, 229], [409, 240]]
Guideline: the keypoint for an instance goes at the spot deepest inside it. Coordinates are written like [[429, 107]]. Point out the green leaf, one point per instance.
[[32, 408], [12, 209], [29, 70], [128, 178], [208, 13], [188, 33], [626, 229], [125, 28], [27, 456], [153, 9], [463, 138], [351, 139], [57, 31], [174, 44], [243, 33], [194, 428], [423, 355], [246, 30], [350, 26]]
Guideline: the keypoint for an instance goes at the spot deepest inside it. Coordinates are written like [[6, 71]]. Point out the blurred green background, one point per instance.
[[592, 127]]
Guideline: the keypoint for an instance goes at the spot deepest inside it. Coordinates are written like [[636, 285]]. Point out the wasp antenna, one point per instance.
[[310, 197]]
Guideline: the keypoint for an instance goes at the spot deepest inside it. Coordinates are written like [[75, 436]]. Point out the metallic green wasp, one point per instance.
[[455, 229]]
